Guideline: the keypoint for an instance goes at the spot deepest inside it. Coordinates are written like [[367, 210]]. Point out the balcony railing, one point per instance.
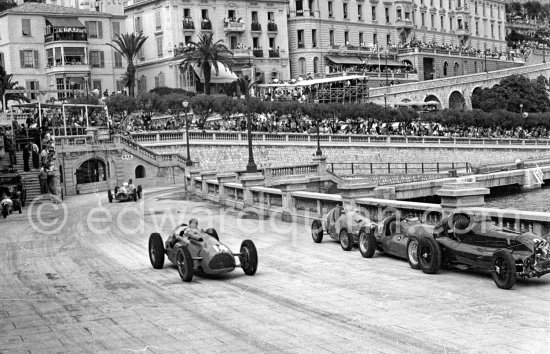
[[406, 23], [273, 53], [258, 53], [234, 27], [188, 25], [206, 25], [240, 53], [58, 37], [256, 27], [272, 27]]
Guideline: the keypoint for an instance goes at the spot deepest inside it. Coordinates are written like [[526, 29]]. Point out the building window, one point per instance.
[[456, 68], [160, 80], [314, 38], [359, 12], [116, 29], [475, 10], [142, 84], [330, 9], [345, 9], [26, 27], [387, 12], [29, 58], [299, 8], [498, 33], [96, 85], [97, 59], [442, 23], [118, 60], [119, 85], [422, 19], [138, 25], [204, 14], [346, 38], [187, 13], [375, 39], [388, 39], [301, 66], [315, 65], [141, 54], [445, 68], [158, 20], [255, 17], [477, 28], [361, 39], [331, 37], [300, 38], [271, 16], [32, 85], [373, 12], [256, 43], [94, 29], [140, 172], [159, 46], [432, 20], [272, 43], [2, 64]]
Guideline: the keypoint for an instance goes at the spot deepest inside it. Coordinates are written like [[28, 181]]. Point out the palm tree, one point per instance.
[[7, 84], [128, 45], [206, 54]]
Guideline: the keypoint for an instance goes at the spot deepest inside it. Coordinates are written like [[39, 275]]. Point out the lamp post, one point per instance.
[[318, 152], [185, 105], [385, 100], [486, 70], [386, 67], [251, 165]]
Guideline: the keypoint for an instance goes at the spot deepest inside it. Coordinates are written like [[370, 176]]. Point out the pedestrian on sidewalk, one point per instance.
[[43, 179], [35, 156], [26, 156]]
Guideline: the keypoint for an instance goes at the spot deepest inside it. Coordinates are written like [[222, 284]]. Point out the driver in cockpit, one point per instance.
[[131, 185]]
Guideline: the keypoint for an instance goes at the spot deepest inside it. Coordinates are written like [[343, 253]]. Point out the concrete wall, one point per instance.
[[227, 158]]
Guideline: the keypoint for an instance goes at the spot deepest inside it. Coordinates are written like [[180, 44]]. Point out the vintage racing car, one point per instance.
[[12, 193], [125, 193], [476, 241], [203, 252], [344, 226], [395, 236]]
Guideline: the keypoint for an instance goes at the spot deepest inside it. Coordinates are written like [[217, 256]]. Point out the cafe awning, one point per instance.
[[65, 22], [338, 59], [224, 75]]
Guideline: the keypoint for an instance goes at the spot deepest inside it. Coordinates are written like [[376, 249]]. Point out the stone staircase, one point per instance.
[[30, 178]]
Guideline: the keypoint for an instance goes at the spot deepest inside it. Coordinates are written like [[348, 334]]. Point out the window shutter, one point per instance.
[[37, 85], [36, 58], [22, 57], [87, 25], [101, 59], [99, 29], [156, 81]]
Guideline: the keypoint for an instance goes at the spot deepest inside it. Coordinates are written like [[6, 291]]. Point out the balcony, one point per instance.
[[206, 25], [255, 27], [405, 24], [464, 31], [68, 68], [188, 26], [233, 27], [70, 37], [271, 27], [274, 54], [258, 53], [241, 53]]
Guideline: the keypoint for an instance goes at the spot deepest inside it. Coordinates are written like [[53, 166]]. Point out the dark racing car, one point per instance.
[[478, 242], [128, 191], [344, 226], [395, 236], [201, 251]]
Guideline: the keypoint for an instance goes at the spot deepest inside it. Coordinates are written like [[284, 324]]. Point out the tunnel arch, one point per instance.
[[456, 100], [91, 170], [432, 98], [140, 172]]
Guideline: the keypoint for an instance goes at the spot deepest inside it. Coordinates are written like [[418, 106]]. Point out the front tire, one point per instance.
[[249, 257], [346, 240], [503, 269], [317, 231], [412, 253], [156, 250], [185, 264], [429, 255], [367, 243]]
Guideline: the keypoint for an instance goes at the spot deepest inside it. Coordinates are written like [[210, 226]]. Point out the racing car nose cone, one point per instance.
[[221, 261]]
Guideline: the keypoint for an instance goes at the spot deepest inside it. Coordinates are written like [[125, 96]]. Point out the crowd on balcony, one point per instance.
[[228, 20], [188, 23]]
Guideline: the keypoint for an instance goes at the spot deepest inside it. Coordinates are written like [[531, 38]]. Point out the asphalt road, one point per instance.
[[78, 279]]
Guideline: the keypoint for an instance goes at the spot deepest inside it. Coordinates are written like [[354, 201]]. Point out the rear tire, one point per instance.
[[346, 240], [367, 243], [185, 264], [429, 255], [156, 250], [249, 257], [503, 269], [412, 253], [317, 231]]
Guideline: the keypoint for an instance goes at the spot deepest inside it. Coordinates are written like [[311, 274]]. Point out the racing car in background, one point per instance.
[[476, 241], [344, 226], [128, 191], [203, 252]]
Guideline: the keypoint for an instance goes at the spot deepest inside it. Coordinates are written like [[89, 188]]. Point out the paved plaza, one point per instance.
[[78, 279]]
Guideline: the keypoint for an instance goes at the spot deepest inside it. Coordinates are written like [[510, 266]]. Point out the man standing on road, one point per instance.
[[35, 156], [43, 179]]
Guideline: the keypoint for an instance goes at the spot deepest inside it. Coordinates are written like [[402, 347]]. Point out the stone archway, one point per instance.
[[140, 172], [91, 170], [457, 101], [432, 98]]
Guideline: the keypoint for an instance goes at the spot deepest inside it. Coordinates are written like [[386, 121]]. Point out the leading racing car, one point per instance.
[[476, 241], [128, 191], [202, 251]]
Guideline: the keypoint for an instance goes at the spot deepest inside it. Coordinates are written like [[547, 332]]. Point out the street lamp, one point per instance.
[[318, 152], [185, 105], [486, 70], [251, 166], [386, 67]]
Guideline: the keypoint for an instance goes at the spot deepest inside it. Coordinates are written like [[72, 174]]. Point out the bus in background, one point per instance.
[[420, 107]]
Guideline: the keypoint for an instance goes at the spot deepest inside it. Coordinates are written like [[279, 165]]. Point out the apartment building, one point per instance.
[[255, 32], [50, 47]]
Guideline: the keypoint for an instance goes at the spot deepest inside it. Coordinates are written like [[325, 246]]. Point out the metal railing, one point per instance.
[[354, 168]]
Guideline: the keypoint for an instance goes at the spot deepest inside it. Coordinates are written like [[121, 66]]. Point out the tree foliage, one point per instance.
[[128, 45], [203, 107], [122, 106], [7, 84], [513, 91], [7, 4]]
